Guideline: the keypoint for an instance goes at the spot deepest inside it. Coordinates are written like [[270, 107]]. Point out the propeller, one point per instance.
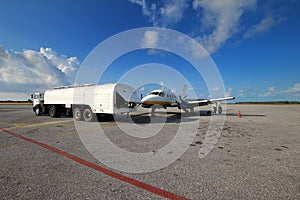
[[182, 103], [184, 95]]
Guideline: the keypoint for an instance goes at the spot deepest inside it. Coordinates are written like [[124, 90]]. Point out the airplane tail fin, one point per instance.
[[184, 95]]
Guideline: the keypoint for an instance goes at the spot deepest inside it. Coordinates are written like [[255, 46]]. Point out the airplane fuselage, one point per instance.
[[166, 98], [160, 97]]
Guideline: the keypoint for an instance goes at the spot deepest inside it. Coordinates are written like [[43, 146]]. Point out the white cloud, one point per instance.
[[197, 50], [284, 94], [13, 96], [214, 22], [215, 89], [30, 70], [150, 39], [272, 91], [265, 24], [242, 92], [163, 13], [172, 11], [294, 89], [216, 92], [163, 86], [67, 65], [220, 20], [228, 92], [142, 89], [196, 4]]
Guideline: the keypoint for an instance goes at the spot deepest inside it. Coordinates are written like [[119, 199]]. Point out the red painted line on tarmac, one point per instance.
[[108, 172]]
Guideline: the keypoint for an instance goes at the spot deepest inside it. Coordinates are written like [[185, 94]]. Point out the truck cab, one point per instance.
[[37, 102]]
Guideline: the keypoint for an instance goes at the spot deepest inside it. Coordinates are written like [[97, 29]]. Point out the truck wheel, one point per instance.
[[77, 114], [88, 115], [54, 112], [37, 111]]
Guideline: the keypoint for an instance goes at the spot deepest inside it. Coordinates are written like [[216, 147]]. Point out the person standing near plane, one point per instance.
[[215, 107]]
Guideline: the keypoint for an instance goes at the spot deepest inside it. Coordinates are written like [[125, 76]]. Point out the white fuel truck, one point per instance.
[[84, 102]]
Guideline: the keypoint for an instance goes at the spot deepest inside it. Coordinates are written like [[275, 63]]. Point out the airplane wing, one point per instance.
[[221, 99], [191, 103], [197, 102], [204, 102]]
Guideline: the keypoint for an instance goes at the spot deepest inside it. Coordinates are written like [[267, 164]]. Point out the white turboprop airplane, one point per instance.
[[165, 98]]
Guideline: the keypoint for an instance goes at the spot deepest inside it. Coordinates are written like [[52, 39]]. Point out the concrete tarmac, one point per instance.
[[256, 157]]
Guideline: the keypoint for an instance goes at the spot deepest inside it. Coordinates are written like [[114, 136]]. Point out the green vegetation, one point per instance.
[[270, 102]]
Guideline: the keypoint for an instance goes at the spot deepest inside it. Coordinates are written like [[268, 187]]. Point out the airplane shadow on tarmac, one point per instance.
[[162, 117], [245, 115]]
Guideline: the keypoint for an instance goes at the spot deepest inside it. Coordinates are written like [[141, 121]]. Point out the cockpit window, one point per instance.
[[155, 93], [161, 94]]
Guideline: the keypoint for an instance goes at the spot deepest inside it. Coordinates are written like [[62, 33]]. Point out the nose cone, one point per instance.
[[146, 99], [150, 99]]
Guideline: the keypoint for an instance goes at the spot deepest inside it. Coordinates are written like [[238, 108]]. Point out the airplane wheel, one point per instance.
[[153, 108]]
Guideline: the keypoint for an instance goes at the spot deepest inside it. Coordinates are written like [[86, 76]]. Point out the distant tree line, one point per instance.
[[11, 101]]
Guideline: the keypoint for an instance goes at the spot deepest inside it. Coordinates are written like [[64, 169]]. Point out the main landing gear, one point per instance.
[[217, 108]]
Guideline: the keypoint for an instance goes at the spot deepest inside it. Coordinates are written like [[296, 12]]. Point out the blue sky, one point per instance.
[[255, 44]]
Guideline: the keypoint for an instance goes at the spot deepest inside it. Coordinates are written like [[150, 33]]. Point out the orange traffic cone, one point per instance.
[[239, 114]]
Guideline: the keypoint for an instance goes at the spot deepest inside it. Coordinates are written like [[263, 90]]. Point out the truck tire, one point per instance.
[[54, 112], [77, 114], [37, 110], [88, 115]]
